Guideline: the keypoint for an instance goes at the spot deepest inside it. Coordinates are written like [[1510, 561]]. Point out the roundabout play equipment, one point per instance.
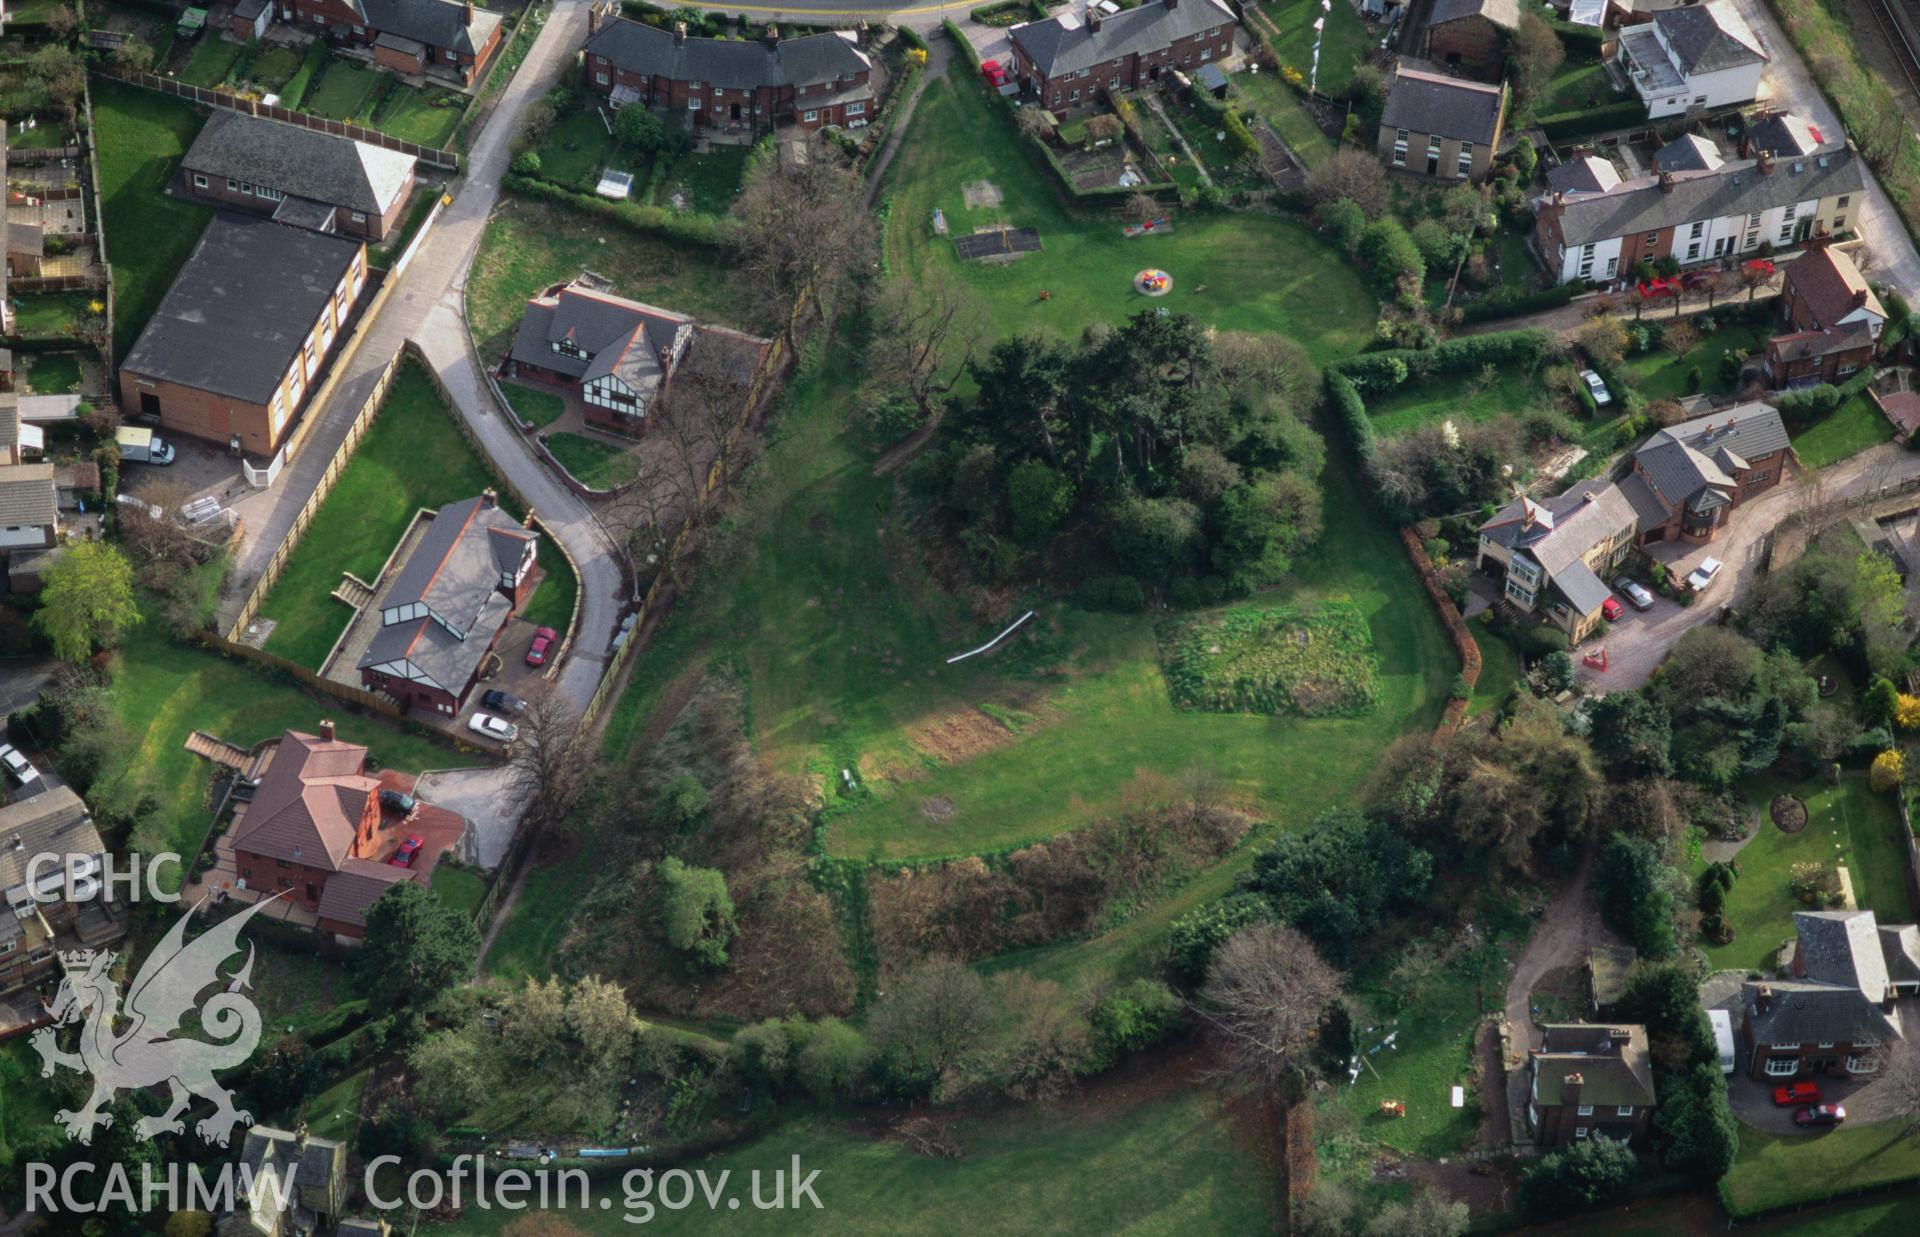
[[1153, 282]]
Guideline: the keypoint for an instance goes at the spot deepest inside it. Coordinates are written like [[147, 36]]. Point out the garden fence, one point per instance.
[[444, 159]]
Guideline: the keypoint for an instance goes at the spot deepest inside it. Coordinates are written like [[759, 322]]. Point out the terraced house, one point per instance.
[[1728, 210], [1069, 60], [450, 37], [815, 80], [298, 176]]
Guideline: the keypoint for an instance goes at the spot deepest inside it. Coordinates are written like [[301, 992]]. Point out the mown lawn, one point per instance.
[[1178, 1162], [140, 135], [273, 67], [335, 1112], [531, 934], [211, 61], [707, 182], [26, 1102], [1282, 108], [1664, 376], [53, 373], [364, 516], [1778, 1170], [163, 691], [1579, 86], [1239, 272], [594, 464], [1343, 40], [536, 407], [411, 115], [1850, 429], [343, 90], [576, 148], [53, 313], [1849, 823], [529, 246], [1499, 670], [459, 888]]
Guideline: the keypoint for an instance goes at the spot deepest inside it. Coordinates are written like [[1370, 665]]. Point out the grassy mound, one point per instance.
[[1315, 660]]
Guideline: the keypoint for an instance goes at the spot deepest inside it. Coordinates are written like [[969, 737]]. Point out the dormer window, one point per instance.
[[566, 347]]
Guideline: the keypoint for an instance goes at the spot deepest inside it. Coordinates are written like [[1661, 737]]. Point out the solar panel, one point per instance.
[[1587, 12]]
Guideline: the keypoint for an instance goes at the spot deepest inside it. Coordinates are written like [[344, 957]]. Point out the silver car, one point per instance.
[[1636, 593], [19, 767], [497, 728], [1704, 574], [1596, 387]]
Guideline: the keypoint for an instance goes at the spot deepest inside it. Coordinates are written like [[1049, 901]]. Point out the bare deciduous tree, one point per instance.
[[1266, 992], [803, 227], [669, 483], [1752, 277], [1680, 338], [1900, 1084], [551, 764], [1536, 55], [925, 331], [1352, 174]]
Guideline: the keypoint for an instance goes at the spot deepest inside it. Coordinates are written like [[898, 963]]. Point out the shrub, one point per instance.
[[1343, 221], [1121, 594], [1906, 711], [1391, 255], [1192, 937], [1888, 771], [1135, 1017], [1460, 689], [1556, 670], [1584, 1175]]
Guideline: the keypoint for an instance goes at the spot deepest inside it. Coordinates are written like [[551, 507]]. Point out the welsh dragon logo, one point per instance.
[[145, 1053]]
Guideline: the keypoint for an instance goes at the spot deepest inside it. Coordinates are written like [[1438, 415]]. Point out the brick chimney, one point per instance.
[[679, 33], [326, 732], [300, 1136], [1666, 182], [489, 499], [528, 522], [1094, 16], [1570, 1090], [595, 15], [1766, 163], [1763, 999], [1859, 297], [773, 35], [1172, 4], [466, 13]]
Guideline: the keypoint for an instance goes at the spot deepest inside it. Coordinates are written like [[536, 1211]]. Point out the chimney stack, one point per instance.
[[1093, 18], [466, 13], [773, 35], [1666, 182], [1766, 163], [594, 17], [488, 498], [326, 732], [1570, 1090], [1172, 5], [1763, 999], [300, 1131], [1859, 297], [679, 33], [528, 522]]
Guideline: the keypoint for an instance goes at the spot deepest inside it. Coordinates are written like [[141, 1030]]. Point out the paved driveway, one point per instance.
[[1752, 1102], [485, 797]]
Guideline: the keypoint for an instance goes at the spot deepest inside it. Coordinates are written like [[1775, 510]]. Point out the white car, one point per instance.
[[1636, 593], [494, 727], [1601, 396], [1704, 574], [18, 766]]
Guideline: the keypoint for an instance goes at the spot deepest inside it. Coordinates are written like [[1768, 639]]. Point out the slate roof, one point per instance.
[[1502, 13], [455, 570], [1900, 946], [241, 307], [1582, 589], [1608, 965], [1428, 101], [26, 495], [299, 162], [437, 23], [1813, 1013], [318, 1167], [1751, 431], [352, 890], [620, 336], [1841, 981], [1841, 947], [1690, 153], [1615, 1070], [1827, 286], [9, 426], [1707, 38], [247, 10], [732, 63], [307, 807], [1648, 509], [1578, 524], [52, 822], [1736, 188], [1803, 345], [1063, 44], [1587, 174], [1785, 135]]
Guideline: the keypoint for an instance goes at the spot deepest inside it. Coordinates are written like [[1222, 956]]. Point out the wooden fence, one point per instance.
[[356, 696], [1463, 641], [433, 157]]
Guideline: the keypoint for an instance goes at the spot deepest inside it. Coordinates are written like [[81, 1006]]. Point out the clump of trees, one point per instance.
[[1151, 451]]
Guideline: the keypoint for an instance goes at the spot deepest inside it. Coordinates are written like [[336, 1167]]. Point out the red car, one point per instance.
[[1611, 610], [1796, 1093], [542, 641], [408, 852], [1821, 1114], [995, 75]]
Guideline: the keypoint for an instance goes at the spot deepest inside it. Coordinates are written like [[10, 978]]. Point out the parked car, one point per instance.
[[1595, 387], [996, 75], [503, 702], [18, 767], [408, 852], [1704, 574], [398, 801], [543, 640], [1635, 592], [1611, 610], [1797, 1093], [1821, 1114], [494, 727]]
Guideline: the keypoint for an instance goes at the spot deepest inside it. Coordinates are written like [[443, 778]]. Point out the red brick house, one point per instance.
[[1590, 1082], [411, 36], [297, 175], [1471, 35], [1069, 60], [620, 355], [819, 79], [1837, 1008], [1687, 479], [1833, 321], [448, 603], [243, 334], [312, 831]]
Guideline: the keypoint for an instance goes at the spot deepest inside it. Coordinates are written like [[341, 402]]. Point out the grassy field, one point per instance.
[[1778, 1170], [459, 888], [530, 246], [1664, 376], [164, 690], [1850, 429], [140, 136], [53, 373], [536, 407], [211, 61], [335, 1112], [1578, 86], [1851, 823], [706, 182], [1282, 108], [273, 67], [1239, 272], [531, 935], [343, 90], [368, 510], [576, 148], [594, 464], [1174, 1163]]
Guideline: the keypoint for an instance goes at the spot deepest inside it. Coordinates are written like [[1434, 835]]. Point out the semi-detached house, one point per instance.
[[409, 36], [1069, 60], [1728, 211]]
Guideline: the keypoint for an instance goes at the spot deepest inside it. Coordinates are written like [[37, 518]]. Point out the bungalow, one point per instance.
[[241, 337], [619, 354], [1440, 126], [410, 36], [1069, 60], [468, 573], [48, 914], [1833, 321], [1837, 1010], [1693, 59], [815, 80], [298, 175], [1590, 1082], [1471, 35]]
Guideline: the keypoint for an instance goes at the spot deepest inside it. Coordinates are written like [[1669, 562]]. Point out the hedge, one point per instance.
[[1378, 369], [1008, 12], [911, 38], [967, 49], [1511, 302], [1584, 123], [636, 216]]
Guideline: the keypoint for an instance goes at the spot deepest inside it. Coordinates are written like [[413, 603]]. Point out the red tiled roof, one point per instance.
[[1826, 287], [357, 886], [308, 805]]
